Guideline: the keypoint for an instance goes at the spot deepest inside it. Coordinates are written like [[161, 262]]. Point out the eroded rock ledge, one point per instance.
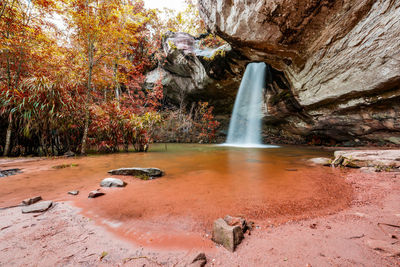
[[341, 60]]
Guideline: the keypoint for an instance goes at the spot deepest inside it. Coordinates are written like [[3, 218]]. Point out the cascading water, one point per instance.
[[245, 124]]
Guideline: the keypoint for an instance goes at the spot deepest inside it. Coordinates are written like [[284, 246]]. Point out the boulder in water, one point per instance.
[[112, 182], [143, 173], [5, 173]]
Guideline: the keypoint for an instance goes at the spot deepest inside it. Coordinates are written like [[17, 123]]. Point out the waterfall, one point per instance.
[[245, 124]]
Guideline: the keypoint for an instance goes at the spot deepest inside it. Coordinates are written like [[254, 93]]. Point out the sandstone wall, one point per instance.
[[341, 59]]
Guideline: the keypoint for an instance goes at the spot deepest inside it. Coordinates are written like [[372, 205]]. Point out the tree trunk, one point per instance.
[[85, 130], [8, 137], [117, 85], [88, 93]]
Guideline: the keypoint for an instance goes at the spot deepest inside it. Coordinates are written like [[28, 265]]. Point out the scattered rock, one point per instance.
[[226, 235], [37, 207], [32, 200], [112, 182], [143, 173], [74, 193], [313, 226], [320, 161], [199, 261], [95, 193]]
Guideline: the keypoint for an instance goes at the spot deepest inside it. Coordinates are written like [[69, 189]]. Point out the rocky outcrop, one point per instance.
[[381, 160], [189, 73], [338, 62]]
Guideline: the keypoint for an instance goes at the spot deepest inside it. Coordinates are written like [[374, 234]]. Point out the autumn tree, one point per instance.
[[21, 27]]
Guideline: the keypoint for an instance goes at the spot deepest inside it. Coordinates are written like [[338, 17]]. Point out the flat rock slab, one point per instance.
[[367, 158], [143, 173], [32, 200], [112, 182], [95, 194], [38, 207], [74, 192], [226, 235]]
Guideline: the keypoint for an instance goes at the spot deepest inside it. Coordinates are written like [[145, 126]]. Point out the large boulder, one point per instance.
[[338, 62], [144, 173]]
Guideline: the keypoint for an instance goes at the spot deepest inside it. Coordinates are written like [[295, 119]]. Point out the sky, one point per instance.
[[178, 5], [172, 4]]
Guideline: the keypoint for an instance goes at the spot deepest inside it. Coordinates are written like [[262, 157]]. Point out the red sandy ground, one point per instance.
[[64, 236]]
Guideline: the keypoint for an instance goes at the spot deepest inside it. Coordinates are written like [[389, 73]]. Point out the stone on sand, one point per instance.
[[37, 207], [32, 200], [226, 235]]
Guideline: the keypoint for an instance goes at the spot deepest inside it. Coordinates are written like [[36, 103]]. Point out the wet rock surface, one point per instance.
[[32, 200], [226, 235], [38, 207], [112, 182], [338, 63], [143, 173], [9, 172]]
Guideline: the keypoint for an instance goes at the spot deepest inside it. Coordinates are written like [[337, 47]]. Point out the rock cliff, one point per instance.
[[190, 73], [336, 62]]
